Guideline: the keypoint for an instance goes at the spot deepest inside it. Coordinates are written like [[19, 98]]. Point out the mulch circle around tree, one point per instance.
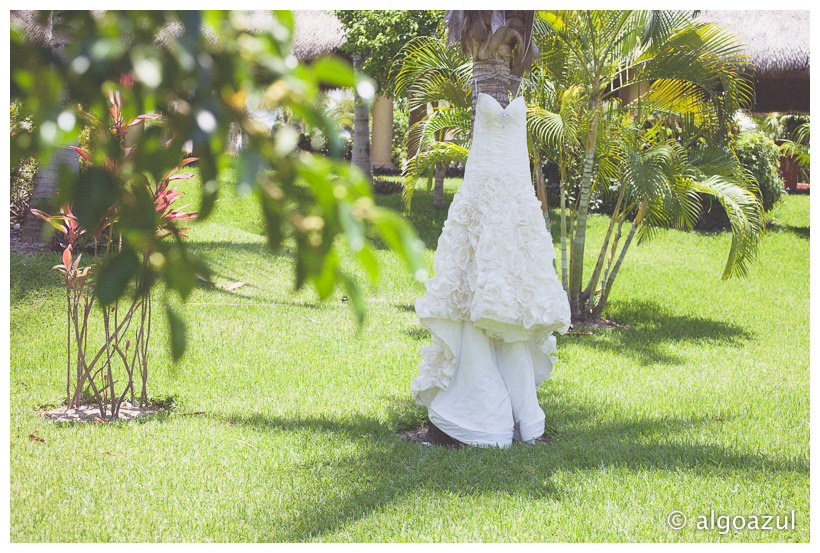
[[605, 324], [431, 435], [91, 413]]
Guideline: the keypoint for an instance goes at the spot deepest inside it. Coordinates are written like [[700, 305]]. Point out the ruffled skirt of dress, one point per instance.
[[491, 307]]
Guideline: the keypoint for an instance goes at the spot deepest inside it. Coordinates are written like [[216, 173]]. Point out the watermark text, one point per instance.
[[677, 520]]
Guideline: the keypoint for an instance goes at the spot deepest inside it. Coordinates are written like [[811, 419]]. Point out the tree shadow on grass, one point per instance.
[[425, 219], [385, 469], [800, 232], [33, 276], [652, 329], [214, 248]]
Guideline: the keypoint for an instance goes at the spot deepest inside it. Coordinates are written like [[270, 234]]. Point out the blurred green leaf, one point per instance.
[[201, 83], [354, 230], [99, 189], [326, 280], [179, 270], [330, 70], [368, 261], [114, 276], [400, 237], [176, 334]]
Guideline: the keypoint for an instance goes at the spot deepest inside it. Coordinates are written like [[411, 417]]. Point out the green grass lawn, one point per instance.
[[701, 405]]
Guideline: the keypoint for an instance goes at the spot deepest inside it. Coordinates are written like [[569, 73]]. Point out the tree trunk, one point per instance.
[[438, 187], [564, 278], [599, 265], [413, 141], [576, 260], [490, 76], [608, 288], [361, 131], [48, 175], [541, 194], [381, 140]]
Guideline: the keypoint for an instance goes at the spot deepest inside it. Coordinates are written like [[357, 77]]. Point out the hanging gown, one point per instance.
[[494, 298]]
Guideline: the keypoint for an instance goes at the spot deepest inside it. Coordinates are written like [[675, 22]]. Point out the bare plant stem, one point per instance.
[[599, 264], [68, 342], [144, 395], [564, 278], [605, 293], [612, 251]]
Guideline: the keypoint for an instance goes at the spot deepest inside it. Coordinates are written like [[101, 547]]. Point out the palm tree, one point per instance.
[[689, 69], [688, 76], [553, 119], [500, 45], [48, 174], [430, 72], [499, 42]]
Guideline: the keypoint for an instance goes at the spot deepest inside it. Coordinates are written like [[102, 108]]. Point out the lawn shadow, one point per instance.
[[652, 329], [427, 220], [417, 332], [800, 232], [386, 469], [216, 248], [33, 275]]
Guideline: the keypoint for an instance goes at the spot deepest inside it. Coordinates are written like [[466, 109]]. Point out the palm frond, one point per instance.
[[429, 70], [421, 166], [746, 217], [449, 120], [546, 127]]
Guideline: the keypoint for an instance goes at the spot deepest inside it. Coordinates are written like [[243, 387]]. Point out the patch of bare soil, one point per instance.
[[431, 435], [594, 324], [91, 413], [26, 248]]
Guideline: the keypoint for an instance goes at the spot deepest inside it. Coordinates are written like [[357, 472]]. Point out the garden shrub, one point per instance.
[[317, 143], [23, 170], [21, 188], [760, 155]]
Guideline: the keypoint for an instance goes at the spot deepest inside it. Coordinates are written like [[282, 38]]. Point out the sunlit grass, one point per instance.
[[701, 404]]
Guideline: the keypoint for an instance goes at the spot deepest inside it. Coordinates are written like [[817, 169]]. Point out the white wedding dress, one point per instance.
[[494, 298]]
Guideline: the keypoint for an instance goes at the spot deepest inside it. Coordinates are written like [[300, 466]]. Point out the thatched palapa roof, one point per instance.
[[778, 47], [32, 28], [315, 32]]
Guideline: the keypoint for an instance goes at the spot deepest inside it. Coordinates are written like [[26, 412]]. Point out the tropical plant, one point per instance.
[[94, 368], [798, 147], [378, 36], [689, 69], [598, 74], [553, 119], [202, 82], [430, 72], [659, 184], [499, 45], [761, 157], [372, 39], [780, 126]]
